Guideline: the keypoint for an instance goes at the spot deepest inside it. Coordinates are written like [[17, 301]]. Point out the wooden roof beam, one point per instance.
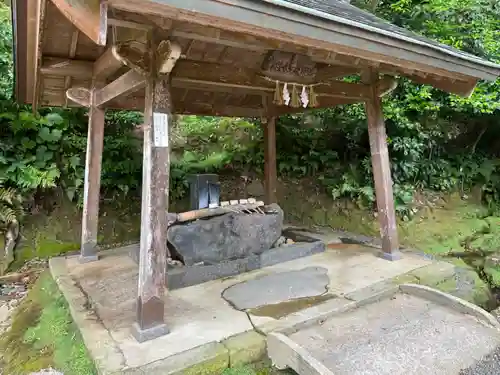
[[78, 69], [337, 89], [457, 84], [462, 88], [129, 24], [250, 46], [190, 75], [198, 84], [89, 16], [200, 73], [136, 102], [208, 109], [205, 34], [123, 85], [106, 65]]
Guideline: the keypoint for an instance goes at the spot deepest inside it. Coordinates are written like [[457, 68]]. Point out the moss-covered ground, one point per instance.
[[458, 226], [261, 368], [441, 230], [43, 335]]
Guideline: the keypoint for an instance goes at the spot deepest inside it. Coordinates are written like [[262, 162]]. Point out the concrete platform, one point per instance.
[[207, 332]]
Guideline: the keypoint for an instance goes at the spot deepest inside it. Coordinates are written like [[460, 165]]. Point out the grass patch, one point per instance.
[[259, 368], [43, 335]]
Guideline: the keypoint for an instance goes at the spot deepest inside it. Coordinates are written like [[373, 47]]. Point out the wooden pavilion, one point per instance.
[[246, 58]]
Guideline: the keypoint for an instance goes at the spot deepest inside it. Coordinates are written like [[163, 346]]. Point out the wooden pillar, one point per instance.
[[92, 183], [270, 174], [155, 185], [382, 172]]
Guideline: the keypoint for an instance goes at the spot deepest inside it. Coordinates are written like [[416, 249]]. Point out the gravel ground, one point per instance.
[[12, 293], [47, 372], [489, 365]]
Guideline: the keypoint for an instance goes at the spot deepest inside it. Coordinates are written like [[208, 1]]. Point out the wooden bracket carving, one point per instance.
[[136, 56], [133, 54], [289, 67], [386, 86], [79, 95], [168, 53]]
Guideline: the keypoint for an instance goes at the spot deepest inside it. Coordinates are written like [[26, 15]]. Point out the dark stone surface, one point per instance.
[[191, 275], [290, 252], [143, 335], [298, 236], [278, 287], [88, 251], [226, 237], [88, 258], [395, 255]]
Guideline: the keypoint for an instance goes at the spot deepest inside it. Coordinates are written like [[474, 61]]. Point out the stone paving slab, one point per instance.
[[278, 288], [418, 331]]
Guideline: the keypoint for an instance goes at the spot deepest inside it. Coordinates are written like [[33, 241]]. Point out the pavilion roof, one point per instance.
[[224, 48], [344, 12]]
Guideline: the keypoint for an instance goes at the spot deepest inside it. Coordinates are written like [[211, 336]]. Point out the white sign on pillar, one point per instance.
[[160, 129]]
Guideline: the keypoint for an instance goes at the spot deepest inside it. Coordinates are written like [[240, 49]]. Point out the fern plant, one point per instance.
[[11, 209]]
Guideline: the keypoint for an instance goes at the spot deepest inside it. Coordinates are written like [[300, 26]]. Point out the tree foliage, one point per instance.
[[437, 141]]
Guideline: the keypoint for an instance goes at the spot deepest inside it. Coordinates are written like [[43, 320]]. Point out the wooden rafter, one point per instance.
[[228, 41], [129, 24], [72, 54], [463, 88]]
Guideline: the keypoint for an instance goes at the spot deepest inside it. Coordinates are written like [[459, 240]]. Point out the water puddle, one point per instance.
[[343, 246], [282, 309]]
